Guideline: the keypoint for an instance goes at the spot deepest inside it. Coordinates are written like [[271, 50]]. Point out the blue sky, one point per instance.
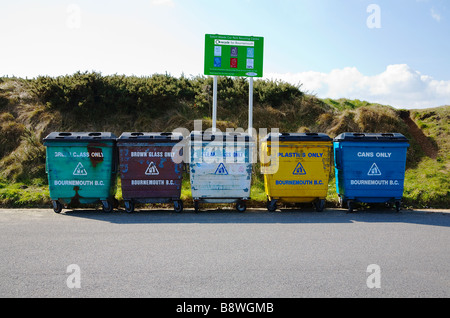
[[326, 45]]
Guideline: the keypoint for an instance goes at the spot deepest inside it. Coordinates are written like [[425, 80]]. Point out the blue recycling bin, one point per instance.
[[370, 168]]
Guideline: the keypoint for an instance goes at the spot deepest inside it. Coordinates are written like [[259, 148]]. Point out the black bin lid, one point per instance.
[[298, 137], [149, 137], [220, 136], [80, 136], [371, 137]]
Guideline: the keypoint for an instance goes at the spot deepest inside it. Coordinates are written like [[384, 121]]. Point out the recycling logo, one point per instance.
[[152, 170], [79, 170], [374, 170], [299, 170], [221, 170]]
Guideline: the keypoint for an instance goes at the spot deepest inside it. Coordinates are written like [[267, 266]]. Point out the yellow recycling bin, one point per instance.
[[296, 168]]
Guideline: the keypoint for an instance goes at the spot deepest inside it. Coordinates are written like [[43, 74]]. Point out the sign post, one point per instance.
[[250, 106], [233, 55], [214, 112]]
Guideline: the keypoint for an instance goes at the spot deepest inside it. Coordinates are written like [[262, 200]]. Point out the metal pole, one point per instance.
[[250, 107], [214, 112]]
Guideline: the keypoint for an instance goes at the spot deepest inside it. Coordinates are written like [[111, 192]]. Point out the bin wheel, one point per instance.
[[319, 205], [342, 202], [116, 202], [129, 206], [178, 206], [398, 206], [57, 206], [350, 206], [241, 206], [271, 205], [107, 206], [196, 206]]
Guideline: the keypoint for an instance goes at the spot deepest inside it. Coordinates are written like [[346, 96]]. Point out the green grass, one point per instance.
[[343, 103], [427, 185], [23, 195], [332, 197], [435, 123], [186, 194]]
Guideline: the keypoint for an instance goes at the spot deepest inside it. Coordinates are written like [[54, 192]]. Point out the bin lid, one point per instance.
[[298, 137], [220, 136], [150, 137], [371, 137], [79, 136]]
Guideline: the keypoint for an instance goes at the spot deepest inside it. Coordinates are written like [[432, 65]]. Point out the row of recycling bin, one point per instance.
[[82, 168]]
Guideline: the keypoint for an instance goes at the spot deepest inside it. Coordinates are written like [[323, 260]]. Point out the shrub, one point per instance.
[[10, 133], [275, 93]]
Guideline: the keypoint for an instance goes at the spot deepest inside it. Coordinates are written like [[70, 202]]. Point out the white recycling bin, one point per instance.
[[220, 168]]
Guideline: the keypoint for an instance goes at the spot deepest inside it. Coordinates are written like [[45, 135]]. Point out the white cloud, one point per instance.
[[399, 86], [435, 15], [167, 3]]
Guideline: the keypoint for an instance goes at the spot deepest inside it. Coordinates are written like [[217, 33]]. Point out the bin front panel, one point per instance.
[[148, 171], [81, 171], [300, 170], [370, 170], [219, 170]]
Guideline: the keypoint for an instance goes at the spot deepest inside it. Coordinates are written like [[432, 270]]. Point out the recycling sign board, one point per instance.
[[234, 55]]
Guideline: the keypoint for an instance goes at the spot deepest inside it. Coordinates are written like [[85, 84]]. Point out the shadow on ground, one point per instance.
[[252, 216]]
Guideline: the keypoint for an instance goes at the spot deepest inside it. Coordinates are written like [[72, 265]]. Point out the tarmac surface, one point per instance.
[[224, 253]]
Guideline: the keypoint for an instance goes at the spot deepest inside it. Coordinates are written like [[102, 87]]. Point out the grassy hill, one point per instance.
[[32, 108]]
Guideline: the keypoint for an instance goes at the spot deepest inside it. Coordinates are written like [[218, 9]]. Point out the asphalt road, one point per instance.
[[221, 254]]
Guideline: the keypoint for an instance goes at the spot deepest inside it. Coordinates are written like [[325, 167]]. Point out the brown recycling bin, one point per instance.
[[151, 168]]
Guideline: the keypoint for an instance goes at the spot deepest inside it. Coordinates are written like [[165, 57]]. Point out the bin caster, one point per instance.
[[342, 203], [57, 206], [271, 205], [319, 205], [241, 206], [178, 206], [398, 206], [350, 206], [129, 206], [116, 203], [107, 206], [196, 206]]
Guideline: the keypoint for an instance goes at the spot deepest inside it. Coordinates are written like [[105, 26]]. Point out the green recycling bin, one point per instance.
[[81, 168]]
